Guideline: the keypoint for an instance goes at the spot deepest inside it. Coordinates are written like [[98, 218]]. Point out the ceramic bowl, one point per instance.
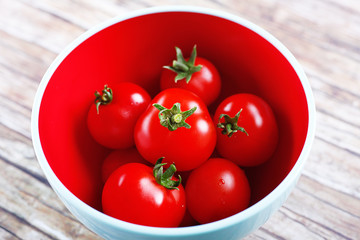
[[134, 47]]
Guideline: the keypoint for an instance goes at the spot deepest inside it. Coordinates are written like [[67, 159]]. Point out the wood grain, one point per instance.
[[324, 35]]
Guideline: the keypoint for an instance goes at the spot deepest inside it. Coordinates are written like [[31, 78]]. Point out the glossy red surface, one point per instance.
[[146, 202], [205, 83], [135, 50], [256, 117], [112, 124], [216, 190], [186, 148]]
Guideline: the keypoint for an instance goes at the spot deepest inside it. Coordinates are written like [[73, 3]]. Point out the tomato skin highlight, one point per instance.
[[132, 194], [113, 125], [217, 189], [258, 119], [205, 83], [186, 148]]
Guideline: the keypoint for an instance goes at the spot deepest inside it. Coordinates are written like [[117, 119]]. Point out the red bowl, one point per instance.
[[134, 49]]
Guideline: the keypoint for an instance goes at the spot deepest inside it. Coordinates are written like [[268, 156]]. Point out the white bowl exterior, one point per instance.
[[234, 227]]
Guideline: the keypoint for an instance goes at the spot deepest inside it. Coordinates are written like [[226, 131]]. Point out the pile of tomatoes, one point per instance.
[[172, 163]]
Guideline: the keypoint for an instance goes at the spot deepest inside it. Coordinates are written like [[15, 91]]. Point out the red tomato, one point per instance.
[[188, 220], [247, 131], [118, 158], [216, 190], [111, 120], [138, 194], [185, 138], [195, 74]]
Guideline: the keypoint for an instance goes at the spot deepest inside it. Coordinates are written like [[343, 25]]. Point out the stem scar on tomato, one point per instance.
[[103, 98], [183, 68], [165, 178], [174, 118], [230, 126]]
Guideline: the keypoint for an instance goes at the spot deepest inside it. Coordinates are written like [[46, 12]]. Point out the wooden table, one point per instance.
[[324, 35]]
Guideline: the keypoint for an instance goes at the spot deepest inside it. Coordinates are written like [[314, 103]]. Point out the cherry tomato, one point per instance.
[[111, 119], [138, 194], [247, 131], [119, 157], [195, 74], [188, 220], [178, 126], [217, 189]]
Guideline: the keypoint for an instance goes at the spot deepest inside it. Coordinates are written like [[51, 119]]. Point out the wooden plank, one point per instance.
[[15, 116], [37, 27], [348, 204], [280, 222], [22, 184], [322, 218], [92, 12], [18, 228], [262, 234], [29, 209], [23, 59], [334, 167], [341, 133], [336, 103], [16, 151], [316, 217], [7, 234]]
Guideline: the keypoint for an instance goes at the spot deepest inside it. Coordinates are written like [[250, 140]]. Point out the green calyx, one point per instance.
[[230, 125], [173, 118], [165, 178], [103, 98], [183, 68]]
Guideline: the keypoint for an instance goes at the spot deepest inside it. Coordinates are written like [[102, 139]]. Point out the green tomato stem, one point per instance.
[[174, 118], [165, 178], [103, 98], [184, 69], [230, 124]]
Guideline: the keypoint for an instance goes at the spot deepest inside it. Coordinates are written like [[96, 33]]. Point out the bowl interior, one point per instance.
[[135, 50]]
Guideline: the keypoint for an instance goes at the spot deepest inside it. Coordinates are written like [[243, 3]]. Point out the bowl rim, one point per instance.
[[251, 211]]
